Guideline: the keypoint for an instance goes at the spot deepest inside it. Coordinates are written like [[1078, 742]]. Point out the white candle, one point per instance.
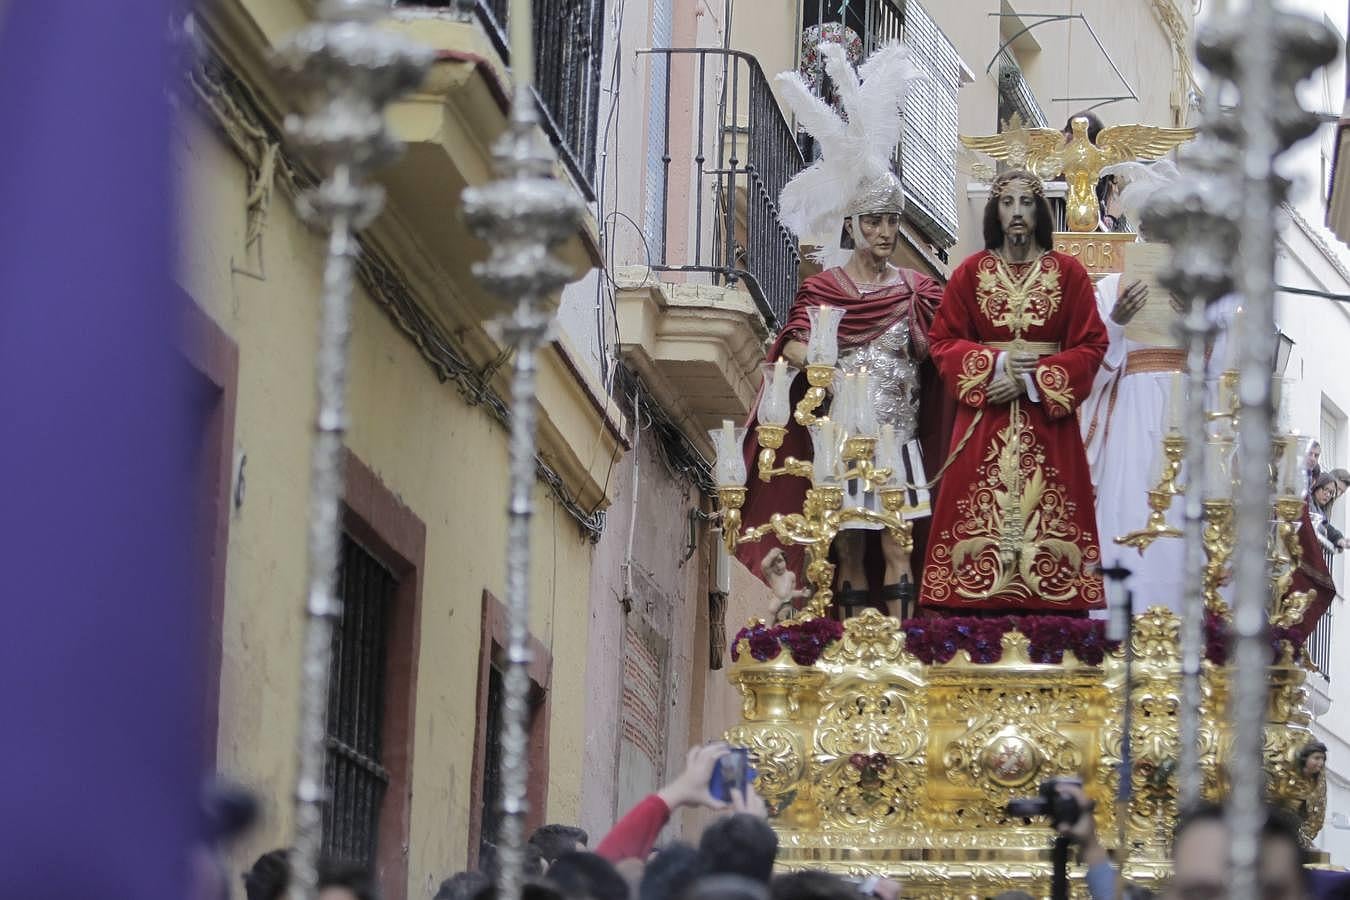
[[825, 441], [1218, 468], [1176, 402], [864, 407], [1293, 478], [1233, 336], [822, 347], [775, 405], [843, 411]]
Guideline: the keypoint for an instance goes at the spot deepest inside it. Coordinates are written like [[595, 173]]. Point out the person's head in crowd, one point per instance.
[[1312, 759], [270, 876], [670, 872], [461, 886], [727, 887], [739, 845], [345, 881], [531, 889], [585, 875], [1200, 857], [1342, 477], [1324, 490], [487, 860], [812, 884], [553, 841], [1312, 462], [266, 879]]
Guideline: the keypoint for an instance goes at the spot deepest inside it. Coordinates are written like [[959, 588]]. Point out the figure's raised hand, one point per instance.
[[1130, 298]]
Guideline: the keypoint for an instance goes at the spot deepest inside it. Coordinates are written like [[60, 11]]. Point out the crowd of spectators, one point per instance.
[[735, 858]]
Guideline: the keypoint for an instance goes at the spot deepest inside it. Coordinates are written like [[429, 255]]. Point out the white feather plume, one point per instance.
[[1141, 180], [855, 149]]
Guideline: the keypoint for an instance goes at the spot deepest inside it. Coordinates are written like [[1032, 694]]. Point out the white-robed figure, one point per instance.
[[1123, 422], [1125, 417]]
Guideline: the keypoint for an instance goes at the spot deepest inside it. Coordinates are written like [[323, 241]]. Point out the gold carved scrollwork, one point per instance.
[[869, 640], [869, 755], [779, 760]]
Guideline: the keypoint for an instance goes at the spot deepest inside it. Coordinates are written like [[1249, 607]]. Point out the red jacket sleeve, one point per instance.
[[1064, 379], [965, 366], [633, 836]]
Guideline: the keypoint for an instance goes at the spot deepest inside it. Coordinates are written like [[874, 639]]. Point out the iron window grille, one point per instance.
[[355, 778]]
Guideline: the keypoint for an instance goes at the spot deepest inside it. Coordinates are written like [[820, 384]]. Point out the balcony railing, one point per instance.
[[1318, 645], [568, 37], [719, 213]]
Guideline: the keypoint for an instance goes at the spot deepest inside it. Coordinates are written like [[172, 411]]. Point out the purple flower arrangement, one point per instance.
[[1219, 640], [804, 640], [937, 640]]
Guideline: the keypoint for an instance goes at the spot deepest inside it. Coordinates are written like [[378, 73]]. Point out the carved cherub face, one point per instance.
[[774, 563]]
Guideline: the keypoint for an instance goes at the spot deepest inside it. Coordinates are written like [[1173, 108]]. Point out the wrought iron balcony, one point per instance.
[[568, 37], [719, 212]]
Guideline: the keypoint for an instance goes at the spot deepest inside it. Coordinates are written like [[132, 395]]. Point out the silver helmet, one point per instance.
[[878, 196]]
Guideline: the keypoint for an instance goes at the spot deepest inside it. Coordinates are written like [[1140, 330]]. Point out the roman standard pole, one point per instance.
[[348, 71]]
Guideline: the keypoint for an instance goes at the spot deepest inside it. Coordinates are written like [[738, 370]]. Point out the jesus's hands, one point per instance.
[[1019, 364], [1004, 390]]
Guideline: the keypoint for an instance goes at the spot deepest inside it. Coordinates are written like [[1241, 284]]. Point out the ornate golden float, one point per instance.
[[873, 762]]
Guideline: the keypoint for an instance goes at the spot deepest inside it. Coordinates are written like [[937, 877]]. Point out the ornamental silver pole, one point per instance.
[[521, 216], [1266, 54], [1256, 362], [348, 71]]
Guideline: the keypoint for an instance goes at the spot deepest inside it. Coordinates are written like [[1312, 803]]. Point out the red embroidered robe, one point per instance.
[[1014, 527], [866, 317]]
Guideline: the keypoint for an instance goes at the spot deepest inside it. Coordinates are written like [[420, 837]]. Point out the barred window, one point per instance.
[[355, 778]]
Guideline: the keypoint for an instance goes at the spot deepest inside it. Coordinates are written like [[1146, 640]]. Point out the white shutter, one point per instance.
[[654, 208], [928, 146]]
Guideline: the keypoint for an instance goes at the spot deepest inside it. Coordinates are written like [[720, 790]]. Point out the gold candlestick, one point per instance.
[[1218, 544], [1160, 498], [731, 500], [819, 378], [1287, 609]]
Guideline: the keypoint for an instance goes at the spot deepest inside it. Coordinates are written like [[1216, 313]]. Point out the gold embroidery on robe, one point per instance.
[[1015, 533], [1018, 303], [975, 368], [1053, 383]]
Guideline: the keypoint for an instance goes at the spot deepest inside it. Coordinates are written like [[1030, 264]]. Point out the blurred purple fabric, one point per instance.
[[98, 695]]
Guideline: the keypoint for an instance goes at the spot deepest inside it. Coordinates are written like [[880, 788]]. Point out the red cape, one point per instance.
[[1312, 575], [866, 317]]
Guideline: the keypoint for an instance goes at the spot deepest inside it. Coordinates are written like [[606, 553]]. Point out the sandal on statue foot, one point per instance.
[[902, 594], [849, 598]]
